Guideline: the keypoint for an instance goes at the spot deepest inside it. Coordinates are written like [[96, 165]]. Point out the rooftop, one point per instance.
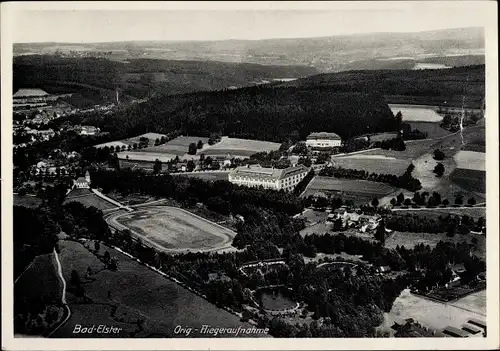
[[324, 135], [455, 331], [30, 93]]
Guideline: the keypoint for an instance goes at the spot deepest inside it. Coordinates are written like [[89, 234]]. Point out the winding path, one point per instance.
[[63, 298]]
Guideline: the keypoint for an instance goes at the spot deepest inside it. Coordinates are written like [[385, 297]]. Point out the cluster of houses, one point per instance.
[[353, 219]]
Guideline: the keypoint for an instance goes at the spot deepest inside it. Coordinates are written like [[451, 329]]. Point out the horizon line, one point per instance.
[[252, 40]]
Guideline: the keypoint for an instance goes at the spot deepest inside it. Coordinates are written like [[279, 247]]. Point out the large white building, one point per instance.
[[323, 140], [269, 178], [82, 182]]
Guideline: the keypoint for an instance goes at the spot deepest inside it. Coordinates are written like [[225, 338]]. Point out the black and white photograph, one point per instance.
[[298, 174]]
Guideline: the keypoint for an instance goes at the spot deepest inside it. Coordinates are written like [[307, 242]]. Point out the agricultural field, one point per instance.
[[470, 179], [433, 129], [416, 113], [409, 240], [360, 191], [383, 136], [208, 175], [91, 200], [26, 201], [432, 314], [372, 163], [239, 148], [470, 160], [414, 149], [134, 292], [474, 212], [174, 229], [130, 141]]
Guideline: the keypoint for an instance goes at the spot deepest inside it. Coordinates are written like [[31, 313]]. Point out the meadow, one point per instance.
[[360, 191], [90, 200], [420, 113], [470, 179], [243, 148], [131, 141], [26, 201], [379, 164], [174, 229], [471, 160], [433, 129], [134, 292]]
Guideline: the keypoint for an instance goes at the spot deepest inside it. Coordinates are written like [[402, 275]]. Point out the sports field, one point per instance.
[[358, 188], [174, 229]]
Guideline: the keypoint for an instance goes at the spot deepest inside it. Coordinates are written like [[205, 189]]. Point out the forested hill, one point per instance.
[[261, 112], [426, 87], [142, 77]]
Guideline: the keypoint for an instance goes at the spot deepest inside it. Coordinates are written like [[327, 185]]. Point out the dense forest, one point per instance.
[[262, 112], [426, 87], [140, 77]]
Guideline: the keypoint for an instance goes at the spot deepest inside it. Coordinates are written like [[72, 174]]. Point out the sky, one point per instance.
[[80, 26]]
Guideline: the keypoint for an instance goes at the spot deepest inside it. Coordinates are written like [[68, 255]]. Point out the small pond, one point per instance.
[[275, 298]]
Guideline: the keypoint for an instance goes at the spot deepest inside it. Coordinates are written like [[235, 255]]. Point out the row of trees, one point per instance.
[[189, 191], [449, 224], [429, 200]]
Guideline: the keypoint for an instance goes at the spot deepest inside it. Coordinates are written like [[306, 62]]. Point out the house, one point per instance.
[[269, 178], [455, 332], [87, 130], [383, 269], [471, 329], [82, 182], [478, 323], [323, 140]]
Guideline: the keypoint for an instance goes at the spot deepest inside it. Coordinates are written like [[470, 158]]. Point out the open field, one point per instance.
[[130, 141], [470, 160], [208, 175], [413, 113], [433, 129], [357, 190], [177, 147], [474, 212], [409, 240], [79, 192], [39, 281], [372, 163], [173, 229], [91, 200], [383, 136], [475, 302], [26, 201], [135, 291], [144, 155], [469, 179], [432, 314], [239, 147], [414, 149]]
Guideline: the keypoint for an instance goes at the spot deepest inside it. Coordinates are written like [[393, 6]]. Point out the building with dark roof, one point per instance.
[[455, 332], [269, 178], [323, 140]]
